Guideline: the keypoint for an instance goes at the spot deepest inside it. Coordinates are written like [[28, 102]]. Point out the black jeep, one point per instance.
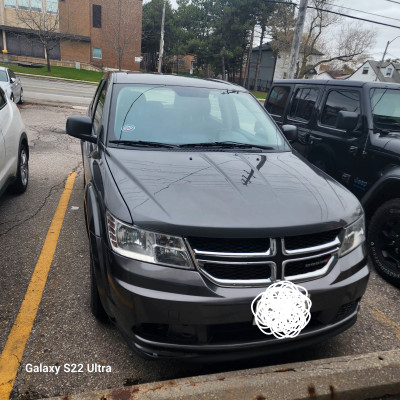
[[351, 130]]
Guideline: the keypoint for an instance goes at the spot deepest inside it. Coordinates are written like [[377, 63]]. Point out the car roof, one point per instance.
[[3, 69], [173, 80], [335, 82]]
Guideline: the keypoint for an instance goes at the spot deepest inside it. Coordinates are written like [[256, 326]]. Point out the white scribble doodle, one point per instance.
[[282, 310]]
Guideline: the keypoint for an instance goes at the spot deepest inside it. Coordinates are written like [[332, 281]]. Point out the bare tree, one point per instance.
[[327, 33], [347, 43], [121, 32], [44, 26]]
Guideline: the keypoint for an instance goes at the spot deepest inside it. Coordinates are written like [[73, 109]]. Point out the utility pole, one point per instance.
[[298, 32], [383, 57], [160, 56]]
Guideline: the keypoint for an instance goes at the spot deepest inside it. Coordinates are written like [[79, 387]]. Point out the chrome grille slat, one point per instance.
[[232, 255], [306, 250], [234, 262]]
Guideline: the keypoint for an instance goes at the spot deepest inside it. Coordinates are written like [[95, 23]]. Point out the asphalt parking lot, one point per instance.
[[64, 331]]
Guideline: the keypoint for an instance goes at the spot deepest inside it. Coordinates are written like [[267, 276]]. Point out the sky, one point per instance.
[[383, 33]]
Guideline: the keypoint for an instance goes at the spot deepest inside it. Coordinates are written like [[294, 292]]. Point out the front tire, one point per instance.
[[21, 97], [21, 183], [384, 241]]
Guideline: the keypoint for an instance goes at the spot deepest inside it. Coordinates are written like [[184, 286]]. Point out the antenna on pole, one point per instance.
[[161, 54]]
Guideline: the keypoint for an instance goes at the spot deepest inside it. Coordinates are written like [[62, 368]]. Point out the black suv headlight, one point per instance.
[[147, 246], [354, 236]]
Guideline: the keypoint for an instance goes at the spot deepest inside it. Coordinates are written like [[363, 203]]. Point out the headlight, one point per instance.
[[151, 247], [354, 236]]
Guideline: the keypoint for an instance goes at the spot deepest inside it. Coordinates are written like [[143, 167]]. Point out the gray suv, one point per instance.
[[195, 203]]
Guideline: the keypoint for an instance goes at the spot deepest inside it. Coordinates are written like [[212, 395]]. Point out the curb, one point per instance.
[[358, 377], [54, 104], [56, 78]]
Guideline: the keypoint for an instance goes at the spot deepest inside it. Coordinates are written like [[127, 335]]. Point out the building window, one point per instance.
[[96, 16], [36, 5], [97, 52], [23, 4], [365, 70], [389, 71], [52, 6], [10, 3]]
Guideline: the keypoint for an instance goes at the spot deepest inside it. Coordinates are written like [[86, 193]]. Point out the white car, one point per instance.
[[14, 149], [11, 85]]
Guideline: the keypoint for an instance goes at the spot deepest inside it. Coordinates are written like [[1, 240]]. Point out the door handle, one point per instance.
[[315, 139], [353, 150]]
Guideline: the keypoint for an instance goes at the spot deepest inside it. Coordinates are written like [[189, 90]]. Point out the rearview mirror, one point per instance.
[[12, 80], [347, 120], [290, 132], [81, 128]]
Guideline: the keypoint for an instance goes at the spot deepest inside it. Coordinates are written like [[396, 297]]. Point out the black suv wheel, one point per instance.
[[384, 241]]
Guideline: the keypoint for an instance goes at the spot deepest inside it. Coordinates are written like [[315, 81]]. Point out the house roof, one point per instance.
[[377, 65]]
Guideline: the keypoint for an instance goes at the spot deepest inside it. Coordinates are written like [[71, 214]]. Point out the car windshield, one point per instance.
[[3, 76], [385, 105], [185, 116]]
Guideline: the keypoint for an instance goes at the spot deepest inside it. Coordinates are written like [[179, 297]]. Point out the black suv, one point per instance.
[[351, 130], [195, 203]]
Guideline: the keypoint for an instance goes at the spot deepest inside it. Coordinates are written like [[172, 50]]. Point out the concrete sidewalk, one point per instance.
[[367, 376]]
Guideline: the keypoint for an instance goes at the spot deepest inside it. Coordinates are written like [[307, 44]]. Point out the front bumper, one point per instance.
[[168, 312]]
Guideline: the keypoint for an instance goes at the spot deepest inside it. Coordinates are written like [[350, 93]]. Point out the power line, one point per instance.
[[346, 15], [363, 12], [353, 17]]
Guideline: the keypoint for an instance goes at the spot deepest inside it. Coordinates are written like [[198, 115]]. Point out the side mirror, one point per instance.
[[81, 128], [290, 132], [12, 80], [347, 120]]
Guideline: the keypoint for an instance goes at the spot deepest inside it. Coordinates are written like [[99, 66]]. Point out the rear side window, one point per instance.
[[303, 103], [339, 100], [277, 100]]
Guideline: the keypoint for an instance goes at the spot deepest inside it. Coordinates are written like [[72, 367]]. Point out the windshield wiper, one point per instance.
[[141, 143], [227, 145]]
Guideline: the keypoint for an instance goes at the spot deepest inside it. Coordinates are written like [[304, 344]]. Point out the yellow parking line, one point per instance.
[[384, 319], [14, 349], [57, 89]]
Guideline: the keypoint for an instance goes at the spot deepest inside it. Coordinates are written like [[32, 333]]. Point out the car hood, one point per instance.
[[229, 194]]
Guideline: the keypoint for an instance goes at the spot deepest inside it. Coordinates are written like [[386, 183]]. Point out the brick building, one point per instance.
[[102, 33]]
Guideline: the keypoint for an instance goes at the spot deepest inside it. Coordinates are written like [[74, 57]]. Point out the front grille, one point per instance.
[[306, 241], [237, 272], [258, 245], [260, 261], [302, 266]]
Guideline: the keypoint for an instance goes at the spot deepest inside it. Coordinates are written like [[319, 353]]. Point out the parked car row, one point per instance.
[[351, 130]]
